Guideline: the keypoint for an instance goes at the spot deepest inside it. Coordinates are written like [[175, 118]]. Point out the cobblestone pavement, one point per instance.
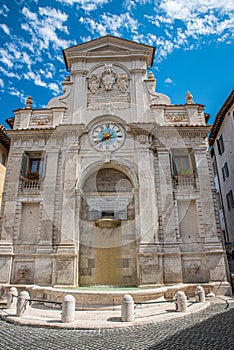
[[209, 329]]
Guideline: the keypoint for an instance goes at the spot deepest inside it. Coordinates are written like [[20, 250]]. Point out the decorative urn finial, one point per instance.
[[29, 102], [189, 98]]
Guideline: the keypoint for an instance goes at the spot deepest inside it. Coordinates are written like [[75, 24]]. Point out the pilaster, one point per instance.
[[9, 204], [48, 195], [79, 97], [147, 196], [167, 200], [206, 214]]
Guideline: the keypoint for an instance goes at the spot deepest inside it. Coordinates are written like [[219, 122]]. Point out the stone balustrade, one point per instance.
[[185, 180], [28, 184]]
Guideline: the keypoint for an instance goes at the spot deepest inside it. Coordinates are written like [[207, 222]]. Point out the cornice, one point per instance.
[[220, 117], [60, 131], [104, 47]]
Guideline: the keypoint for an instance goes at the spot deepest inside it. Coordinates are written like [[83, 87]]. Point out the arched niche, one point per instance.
[[108, 191], [107, 254]]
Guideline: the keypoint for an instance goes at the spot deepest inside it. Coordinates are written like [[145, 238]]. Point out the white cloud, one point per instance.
[[12, 47], [169, 81], [30, 15], [26, 59], [5, 28], [181, 22], [87, 5], [111, 24], [8, 74], [129, 4], [35, 77], [6, 58], [43, 29], [52, 12], [20, 94], [4, 10], [1, 83], [55, 88], [184, 10]]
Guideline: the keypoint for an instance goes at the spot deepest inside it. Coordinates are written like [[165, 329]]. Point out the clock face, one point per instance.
[[107, 136]]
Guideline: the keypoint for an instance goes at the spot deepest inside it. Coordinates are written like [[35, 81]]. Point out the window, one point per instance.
[[32, 166], [220, 145], [225, 171], [182, 163], [230, 200]]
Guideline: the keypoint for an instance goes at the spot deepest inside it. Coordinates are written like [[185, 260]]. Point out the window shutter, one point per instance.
[[24, 164]]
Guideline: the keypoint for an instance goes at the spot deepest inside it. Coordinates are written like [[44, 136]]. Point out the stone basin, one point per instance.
[[108, 223]]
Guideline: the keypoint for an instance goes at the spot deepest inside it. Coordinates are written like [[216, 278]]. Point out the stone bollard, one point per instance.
[[200, 294], [127, 310], [181, 301], [12, 297], [22, 303], [68, 309]]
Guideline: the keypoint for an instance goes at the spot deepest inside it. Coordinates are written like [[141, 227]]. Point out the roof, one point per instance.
[[220, 117], [10, 122], [105, 44], [4, 138]]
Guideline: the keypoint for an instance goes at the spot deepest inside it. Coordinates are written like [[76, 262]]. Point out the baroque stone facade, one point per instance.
[[111, 183]]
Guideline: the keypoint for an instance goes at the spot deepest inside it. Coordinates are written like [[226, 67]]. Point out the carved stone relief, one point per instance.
[[108, 77], [41, 120], [177, 116], [108, 86]]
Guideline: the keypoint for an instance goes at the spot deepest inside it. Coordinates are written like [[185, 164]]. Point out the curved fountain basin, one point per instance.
[[92, 299]]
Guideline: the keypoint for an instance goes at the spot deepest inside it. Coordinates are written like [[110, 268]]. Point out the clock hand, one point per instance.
[[105, 137]]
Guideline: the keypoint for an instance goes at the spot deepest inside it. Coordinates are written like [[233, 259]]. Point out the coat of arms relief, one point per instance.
[[108, 86]]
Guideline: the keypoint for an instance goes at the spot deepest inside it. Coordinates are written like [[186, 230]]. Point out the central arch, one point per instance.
[[107, 228]]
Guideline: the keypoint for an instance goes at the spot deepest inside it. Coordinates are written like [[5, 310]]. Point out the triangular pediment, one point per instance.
[[108, 46]]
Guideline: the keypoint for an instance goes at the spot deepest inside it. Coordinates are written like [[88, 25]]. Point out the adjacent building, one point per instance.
[[4, 149], [111, 183], [221, 139]]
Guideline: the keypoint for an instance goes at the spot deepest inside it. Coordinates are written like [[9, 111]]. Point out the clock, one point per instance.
[[107, 136]]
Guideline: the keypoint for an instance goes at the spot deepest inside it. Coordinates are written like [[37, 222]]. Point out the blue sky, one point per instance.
[[193, 40]]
